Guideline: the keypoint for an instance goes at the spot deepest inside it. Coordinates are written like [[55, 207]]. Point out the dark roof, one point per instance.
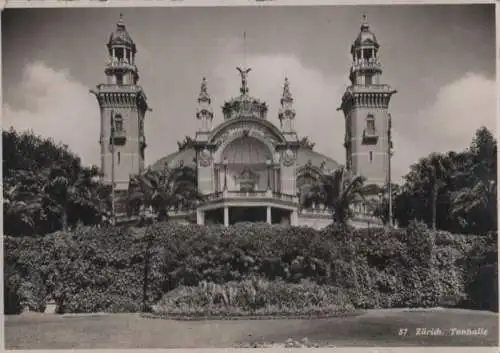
[[187, 156], [305, 155]]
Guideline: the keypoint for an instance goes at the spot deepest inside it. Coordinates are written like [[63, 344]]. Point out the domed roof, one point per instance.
[[185, 157], [365, 36], [120, 36], [307, 156]]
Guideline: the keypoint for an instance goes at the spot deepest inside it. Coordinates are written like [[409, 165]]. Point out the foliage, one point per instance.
[[338, 192], [124, 268], [45, 187], [381, 209], [453, 191], [161, 191], [254, 296]]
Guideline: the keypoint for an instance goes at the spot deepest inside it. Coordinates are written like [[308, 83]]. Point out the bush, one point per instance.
[[117, 269], [254, 297]]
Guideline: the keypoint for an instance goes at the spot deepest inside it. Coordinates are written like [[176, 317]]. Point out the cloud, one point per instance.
[[57, 106], [448, 123]]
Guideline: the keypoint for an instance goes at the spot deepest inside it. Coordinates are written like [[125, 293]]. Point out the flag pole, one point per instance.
[[389, 144], [113, 221]]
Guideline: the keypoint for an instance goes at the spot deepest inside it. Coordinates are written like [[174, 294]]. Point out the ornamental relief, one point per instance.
[[205, 158], [288, 157], [246, 129]]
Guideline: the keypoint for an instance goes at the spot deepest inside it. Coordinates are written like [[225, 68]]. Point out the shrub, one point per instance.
[[254, 297], [118, 269]]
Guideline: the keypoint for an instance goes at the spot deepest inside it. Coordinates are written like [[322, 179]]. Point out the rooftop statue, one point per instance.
[[244, 84]]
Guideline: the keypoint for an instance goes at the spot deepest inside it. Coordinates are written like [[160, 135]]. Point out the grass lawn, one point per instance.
[[374, 328]]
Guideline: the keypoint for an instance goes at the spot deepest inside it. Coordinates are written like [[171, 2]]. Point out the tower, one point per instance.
[[365, 104], [123, 107]]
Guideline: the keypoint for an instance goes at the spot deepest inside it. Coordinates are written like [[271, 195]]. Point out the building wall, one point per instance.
[[373, 167], [127, 157], [316, 223]]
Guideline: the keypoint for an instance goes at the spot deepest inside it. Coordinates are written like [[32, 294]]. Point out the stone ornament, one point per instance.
[[288, 157], [205, 158]]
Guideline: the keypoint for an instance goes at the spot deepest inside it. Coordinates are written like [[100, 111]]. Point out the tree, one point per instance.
[[381, 210], [475, 203], [23, 203], [437, 170], [45, 186], [454, 191], [338, 192], [161, 191]]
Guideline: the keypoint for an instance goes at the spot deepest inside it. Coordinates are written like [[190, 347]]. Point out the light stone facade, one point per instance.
[[248, 168]]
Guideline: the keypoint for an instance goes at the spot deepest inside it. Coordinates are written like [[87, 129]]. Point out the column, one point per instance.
[[268, 215], [226, 216], [294, 218], [200, 217]]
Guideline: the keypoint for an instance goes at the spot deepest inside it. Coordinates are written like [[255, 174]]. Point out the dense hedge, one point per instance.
[[122, 268]]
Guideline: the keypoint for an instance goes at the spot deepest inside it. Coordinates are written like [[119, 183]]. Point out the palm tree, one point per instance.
[[338, 192], [161, 191], [436, 166], [22, 203]]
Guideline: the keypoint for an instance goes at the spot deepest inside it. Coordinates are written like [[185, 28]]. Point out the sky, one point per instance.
[[440, 59]]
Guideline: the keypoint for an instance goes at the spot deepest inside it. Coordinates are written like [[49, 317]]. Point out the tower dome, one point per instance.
[[365, 37], [120, 36]]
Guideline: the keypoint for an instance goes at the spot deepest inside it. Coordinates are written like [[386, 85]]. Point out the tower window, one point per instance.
[[368, 80], [119, 79], [119, 52], [371, 156], [118, 155], [118, 123], [370, 124]]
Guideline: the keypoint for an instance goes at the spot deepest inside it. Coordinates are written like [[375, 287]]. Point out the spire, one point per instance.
[[204, 112], [287, 95], [204, 96], [287, 112], [364, 24], [121, 23]]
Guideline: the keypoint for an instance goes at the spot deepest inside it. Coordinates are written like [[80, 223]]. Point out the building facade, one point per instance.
[[247, 168]]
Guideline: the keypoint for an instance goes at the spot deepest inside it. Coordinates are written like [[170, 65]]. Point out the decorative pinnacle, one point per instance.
[[244, 83], [121, 22], [204, 96], [287, 95]]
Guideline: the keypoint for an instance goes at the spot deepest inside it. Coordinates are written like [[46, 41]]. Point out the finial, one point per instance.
[[121, 22], [364, 23], [245, 48], [244, 83], [287, 95], [204, 96]]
